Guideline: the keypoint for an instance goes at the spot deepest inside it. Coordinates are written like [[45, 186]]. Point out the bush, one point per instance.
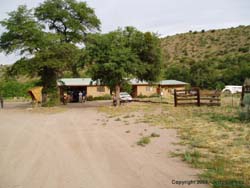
[[144, 141], [244, 49], [104, 97], [142, 96], [90, 98], [154, 95], [244, 114], [12, 88], [52, 98]]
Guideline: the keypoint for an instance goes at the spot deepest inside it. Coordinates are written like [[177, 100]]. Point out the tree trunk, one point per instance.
[[117, 94], [50, 95]]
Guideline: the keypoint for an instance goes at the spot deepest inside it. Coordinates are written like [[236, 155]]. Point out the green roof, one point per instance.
[[75, 82], [172, 82], [89, 81], [163, 82]]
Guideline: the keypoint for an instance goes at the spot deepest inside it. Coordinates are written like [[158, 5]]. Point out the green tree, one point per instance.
[[178, 72], [121, 55], [71, 19], [23, 32], [48, 53]]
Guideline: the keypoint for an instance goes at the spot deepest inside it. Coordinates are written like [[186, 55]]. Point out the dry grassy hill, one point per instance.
[[206, 44], [208, 59]]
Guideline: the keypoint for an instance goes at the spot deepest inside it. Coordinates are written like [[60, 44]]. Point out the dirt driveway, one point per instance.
[[82, 148]]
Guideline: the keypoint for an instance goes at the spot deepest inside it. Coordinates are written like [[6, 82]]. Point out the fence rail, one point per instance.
[[195, 97]]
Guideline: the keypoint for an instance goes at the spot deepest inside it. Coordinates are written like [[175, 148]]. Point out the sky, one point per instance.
[[165, 17]]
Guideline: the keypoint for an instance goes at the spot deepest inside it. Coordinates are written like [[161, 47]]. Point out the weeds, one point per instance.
[[215, 138], [127, 116], [118, 119], [144, 141], [214, 117], [154, 135], [192, 157]]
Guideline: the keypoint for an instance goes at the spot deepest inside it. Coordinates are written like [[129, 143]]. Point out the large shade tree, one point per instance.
[[121, 55], [48, 37]]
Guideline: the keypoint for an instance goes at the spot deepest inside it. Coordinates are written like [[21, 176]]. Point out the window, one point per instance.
[[148, 88], [100, 89]]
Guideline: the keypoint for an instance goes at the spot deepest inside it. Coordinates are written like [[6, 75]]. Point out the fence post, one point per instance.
[[242, 96], [198, 97], [175, 98]]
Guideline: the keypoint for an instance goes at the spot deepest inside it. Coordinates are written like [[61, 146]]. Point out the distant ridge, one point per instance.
[[199, 45], [208, 59]]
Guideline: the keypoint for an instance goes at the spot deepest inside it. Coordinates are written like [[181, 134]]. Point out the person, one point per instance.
[[65, 98], [84, 96], [1, 101], [80, 97]]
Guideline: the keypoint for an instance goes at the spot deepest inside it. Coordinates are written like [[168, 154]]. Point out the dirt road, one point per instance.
[[81, 148]]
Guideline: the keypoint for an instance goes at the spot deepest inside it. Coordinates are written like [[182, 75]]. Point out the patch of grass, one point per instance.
[[247, 137], [144, 141], [192, 157], [214, 137], [225, 136], [221, 174], [174, 154], [239, 141], [154, 135], [214, 117], [145, 121], [127, 116], [118, 119]]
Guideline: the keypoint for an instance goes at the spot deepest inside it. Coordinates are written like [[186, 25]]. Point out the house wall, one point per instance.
[[168, 90], [146, 90], [96, 91]]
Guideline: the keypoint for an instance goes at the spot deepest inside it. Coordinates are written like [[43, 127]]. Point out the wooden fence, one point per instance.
[[196, 97]]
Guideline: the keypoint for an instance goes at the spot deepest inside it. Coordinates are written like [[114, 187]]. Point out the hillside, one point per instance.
[[215, 52], [207, 44]]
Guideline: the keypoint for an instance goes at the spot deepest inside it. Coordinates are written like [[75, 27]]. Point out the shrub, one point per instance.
[[142, 96], [244, 49], [244, 114], [90, 98], [154, 95], [12, 88], [143, 141], [104, 97], [154, 135], [247, 82], [52, 97]]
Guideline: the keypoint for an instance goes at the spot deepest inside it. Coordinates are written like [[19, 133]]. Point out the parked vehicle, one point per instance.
[[232, 89], [125, 97]]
